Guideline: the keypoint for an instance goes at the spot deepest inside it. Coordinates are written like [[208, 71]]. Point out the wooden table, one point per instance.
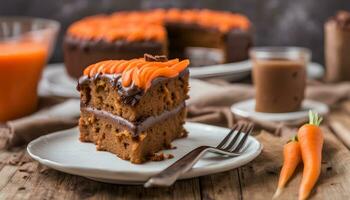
[[23, 178]]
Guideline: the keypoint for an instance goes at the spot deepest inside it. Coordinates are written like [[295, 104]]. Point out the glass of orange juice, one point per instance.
[[25, 46]]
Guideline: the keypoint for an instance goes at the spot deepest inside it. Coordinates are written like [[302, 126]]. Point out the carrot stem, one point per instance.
[[314, 119]]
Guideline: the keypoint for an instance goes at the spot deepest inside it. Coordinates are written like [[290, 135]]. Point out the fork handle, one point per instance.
[[168, 176]]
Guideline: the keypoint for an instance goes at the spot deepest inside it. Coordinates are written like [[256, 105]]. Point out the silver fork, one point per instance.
[[226, 147]]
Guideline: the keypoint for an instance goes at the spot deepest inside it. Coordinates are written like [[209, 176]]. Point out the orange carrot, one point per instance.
[[311, 141], [292, 157]]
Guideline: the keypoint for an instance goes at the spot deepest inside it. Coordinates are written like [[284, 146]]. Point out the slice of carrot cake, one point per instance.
[[134, 108]]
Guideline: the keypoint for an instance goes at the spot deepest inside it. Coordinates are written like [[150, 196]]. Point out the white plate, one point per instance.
[[247, 109], [237, 70], [56, 82], [64, 152]]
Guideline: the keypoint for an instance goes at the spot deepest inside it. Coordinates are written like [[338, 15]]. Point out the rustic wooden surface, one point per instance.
[[23, 178]]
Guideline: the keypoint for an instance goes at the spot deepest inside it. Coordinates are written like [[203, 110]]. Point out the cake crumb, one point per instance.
[[14, 160], [184, 134], [21, 188], [170, 156], [161, 156], [28, 167], [44, 170]]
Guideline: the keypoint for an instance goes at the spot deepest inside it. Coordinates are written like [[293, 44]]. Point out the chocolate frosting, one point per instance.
[[135, 128]]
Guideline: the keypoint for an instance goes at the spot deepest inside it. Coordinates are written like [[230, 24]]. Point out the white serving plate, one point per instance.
[[246, 109], [64, 152]]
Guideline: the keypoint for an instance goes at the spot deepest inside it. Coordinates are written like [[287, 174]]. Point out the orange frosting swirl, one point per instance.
[[138, 71], [149, 25]]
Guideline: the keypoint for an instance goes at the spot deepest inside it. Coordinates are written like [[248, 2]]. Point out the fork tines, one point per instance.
[[229, 142]]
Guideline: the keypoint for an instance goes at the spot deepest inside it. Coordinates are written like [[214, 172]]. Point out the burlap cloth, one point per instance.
[[209, 103]]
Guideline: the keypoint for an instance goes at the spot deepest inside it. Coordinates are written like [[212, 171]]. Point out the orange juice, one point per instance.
[[21, 65]]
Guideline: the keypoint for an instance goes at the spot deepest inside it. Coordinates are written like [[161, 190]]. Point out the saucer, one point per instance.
[[246, 109]]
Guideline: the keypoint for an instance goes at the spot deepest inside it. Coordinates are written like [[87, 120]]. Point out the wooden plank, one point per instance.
[[4, 157], [36, 184], [339, 122], [335, 176], [185, 189], [8, 168], [10, 157], [6, 174], [259, 178], [221, 186], [28, 182], [57, 185], [16, 187]]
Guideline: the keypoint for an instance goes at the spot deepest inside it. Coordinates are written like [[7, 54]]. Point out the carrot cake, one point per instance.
[[127, 35], [134, 108]]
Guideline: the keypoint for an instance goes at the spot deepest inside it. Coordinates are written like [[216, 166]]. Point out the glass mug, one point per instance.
[[279, 76], [25, 46]]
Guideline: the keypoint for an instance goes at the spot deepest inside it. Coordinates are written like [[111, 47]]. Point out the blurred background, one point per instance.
[[287, 22]]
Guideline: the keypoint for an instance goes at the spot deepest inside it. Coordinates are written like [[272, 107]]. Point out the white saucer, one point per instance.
[[246, 109], [64, 152]]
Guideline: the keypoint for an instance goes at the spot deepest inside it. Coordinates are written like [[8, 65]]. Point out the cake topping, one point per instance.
[[94, 29], [223, 21], [139, 72], [148, 25]]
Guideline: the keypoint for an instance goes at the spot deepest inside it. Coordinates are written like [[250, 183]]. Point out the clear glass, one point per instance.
[[279, 76], [288, 53], [25, 46]]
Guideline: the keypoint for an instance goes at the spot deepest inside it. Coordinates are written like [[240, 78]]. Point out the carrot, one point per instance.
[[292, 157], [311, 141]]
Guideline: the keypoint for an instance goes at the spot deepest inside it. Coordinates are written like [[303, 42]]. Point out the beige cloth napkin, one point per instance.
[[210, 102], [50, 119]]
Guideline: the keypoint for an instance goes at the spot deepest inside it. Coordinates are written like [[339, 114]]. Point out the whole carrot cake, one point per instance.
[[134, 108], [127, 35]]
